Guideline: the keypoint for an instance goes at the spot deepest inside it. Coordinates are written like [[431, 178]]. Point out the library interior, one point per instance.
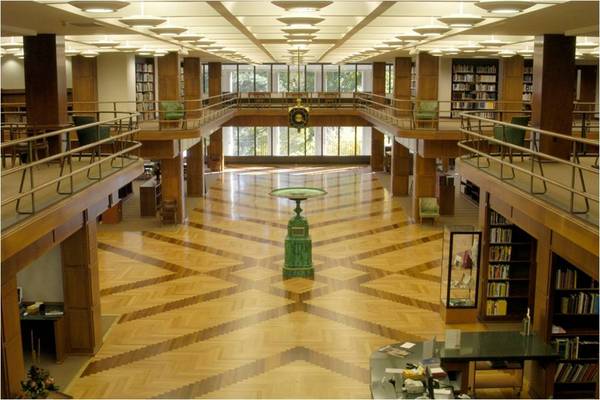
[[299, 199]]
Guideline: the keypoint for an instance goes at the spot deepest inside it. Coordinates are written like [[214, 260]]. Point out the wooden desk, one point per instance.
[[36, 322]]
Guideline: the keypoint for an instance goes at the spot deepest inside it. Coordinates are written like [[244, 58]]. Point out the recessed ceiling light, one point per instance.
[[470, 48], [11, 45], [188, 37], [145, 52], [89, 53], [492, 43], [168, 30], [506, 53], [142, 21], [105, 43], [461, 20], [431, 30], [99, 6], [302, 6], [410, 37], [127, 48], [504, 6], [301, 22], [300, 31]]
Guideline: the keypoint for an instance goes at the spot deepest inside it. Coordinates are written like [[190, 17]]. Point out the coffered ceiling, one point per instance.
[[252, 32]]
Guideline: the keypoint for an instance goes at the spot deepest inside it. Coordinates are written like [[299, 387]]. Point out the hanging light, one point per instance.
[[507, 53], [12, 45], [301, 22], [299, 41], [410, 37], [99, 7], [20, 55], [300, 37], [450, 51], [435, 52], [300, 30], [127, 48], [470, 48], [394, 43], [142, 21], [145, 52], [586, 45], [105, 43], [504, 6], [89, 53], [461, 20], [492, 42], [383, 48], [71, 52], [302, 6], [168, 30], [188, 37], [525, 52], [431, 30], [203, 43]]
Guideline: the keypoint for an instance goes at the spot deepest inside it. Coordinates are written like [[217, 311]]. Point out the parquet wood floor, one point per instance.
[[204, 311]]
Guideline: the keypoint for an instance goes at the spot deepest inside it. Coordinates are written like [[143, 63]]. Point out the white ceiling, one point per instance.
[[251, 29]]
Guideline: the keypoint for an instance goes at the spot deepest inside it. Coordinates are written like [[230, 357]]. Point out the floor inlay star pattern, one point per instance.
[[212, 316]]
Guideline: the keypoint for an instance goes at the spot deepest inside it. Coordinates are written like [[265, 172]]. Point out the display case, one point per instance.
[[461, 249]]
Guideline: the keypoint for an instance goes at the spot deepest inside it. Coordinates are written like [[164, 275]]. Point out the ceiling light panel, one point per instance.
[[99, 7]]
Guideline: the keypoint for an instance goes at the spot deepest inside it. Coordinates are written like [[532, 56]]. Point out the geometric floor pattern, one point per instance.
[[204, 312]]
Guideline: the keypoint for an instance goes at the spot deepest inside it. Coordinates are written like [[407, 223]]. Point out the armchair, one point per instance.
[[171, 110], [426, 110], [90, 135], [428, 208]]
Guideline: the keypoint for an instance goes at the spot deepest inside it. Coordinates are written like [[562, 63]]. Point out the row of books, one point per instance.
[[579, 303], [144, 87], [498, 271], [527, 96], [528, 79], [479, 105], [568, 278], [498, 289], [486, 69], [139, 67], [528, 70], [566, 372], [528, 87], [500, 253], [147, 96], [463, 68], [486, 78], [495, 307], [490, 87], [142, 77], [575, 348], [497, 219], [485, 96], [500, 235], [462, 86], [463, 78], [145, 107]]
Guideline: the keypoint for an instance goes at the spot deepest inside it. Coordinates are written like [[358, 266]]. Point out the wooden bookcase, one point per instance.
[[527, 80], [574, 330], [509, 273], [413, 81], [181, 81], [145, 86], [474, 85]]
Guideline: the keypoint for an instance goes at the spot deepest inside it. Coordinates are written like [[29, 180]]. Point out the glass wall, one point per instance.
[[314, 82], [284, 141], [348, 78], [280, 78], [389, 78], [245, 78], [229, 78], [331, 75], [364, 81], [205, 80], [262, 78]]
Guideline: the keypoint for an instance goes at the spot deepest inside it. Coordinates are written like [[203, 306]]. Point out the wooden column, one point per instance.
[[427, 69], [81, 290], [402, 78], [13, 366], [172, 185], [85, 83], [192, 81], [553, 90], [377, 149], [379, 80], [424, 181], [511, 86], [46, 84], [195, 169], [588, 86], [168, 82], [216, 161], [400, 169]]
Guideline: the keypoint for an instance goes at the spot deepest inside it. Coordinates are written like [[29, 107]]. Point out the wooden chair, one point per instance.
[[428, 208]]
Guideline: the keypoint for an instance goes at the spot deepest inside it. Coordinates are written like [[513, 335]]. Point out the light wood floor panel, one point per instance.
[[408, 257], [118, 270]]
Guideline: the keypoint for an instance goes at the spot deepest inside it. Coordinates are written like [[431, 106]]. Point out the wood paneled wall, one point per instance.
[[172, 184], [192, 85], [401, 160], [377, 149], [553, 90], [511, 86], [85, 83], [379, 78], [214, 78], [216, 161], [45, 80], [195, 169], [424, 181], [427, 69], [82, 290], [588, 84], [402, 77], [168, 76]]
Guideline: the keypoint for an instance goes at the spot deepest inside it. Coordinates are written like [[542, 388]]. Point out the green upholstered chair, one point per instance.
[[512, 135], [426, 110], [90, 135], [428, 208], [171, 110]]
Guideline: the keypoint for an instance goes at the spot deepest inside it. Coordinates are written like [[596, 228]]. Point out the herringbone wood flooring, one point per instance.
[[204, 311]]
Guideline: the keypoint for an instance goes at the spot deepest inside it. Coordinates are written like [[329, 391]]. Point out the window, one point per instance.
[[263, 78], [205, 79], [230, 141], [347, 141], [263, 141], [348, 78], [297, 142], [364, 78], [332, 78], [330, 141], [296, 79], [229, 78], [313, 78], [245, 78], [280, 78], [245, 141], [389, 78], [280, 141]]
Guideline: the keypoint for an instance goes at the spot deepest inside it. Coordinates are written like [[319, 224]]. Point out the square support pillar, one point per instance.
[[553, 91], [377, 150], [379, 80], [85, 83], [424, 181], [402, 80], [195, 170], [168, 83], [400, 169], [427, 69], [511, 87], [192, 85], [13, 366], [172, 185], [83, 329], [216, 161]]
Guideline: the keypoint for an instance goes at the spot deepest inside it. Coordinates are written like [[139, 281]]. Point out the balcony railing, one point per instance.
[[511, 153], [34, 181]]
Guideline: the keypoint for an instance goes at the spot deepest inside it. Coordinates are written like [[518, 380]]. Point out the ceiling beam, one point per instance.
[[225, 13], [380, 9]]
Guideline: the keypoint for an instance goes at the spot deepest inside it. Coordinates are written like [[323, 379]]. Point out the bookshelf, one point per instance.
[[574, 330], [181, 81], [474, 85], [527, 80], [413, 81], [508, 288], [145, 86]]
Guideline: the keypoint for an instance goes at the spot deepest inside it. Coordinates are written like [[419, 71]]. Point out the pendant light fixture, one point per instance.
[[99, 7], [142, 21], [12, 45], [144, 51], [300, 30], [106, 43], [168, 30], [302, 6], [89, 53], [301, 22], [127, 48], [203, 43], [470, 48], [410, 37], [71, 52], [507, 53], [493, 42], [188, 37], [586, 45], [461, 20], [504, 6], [431, 30]]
